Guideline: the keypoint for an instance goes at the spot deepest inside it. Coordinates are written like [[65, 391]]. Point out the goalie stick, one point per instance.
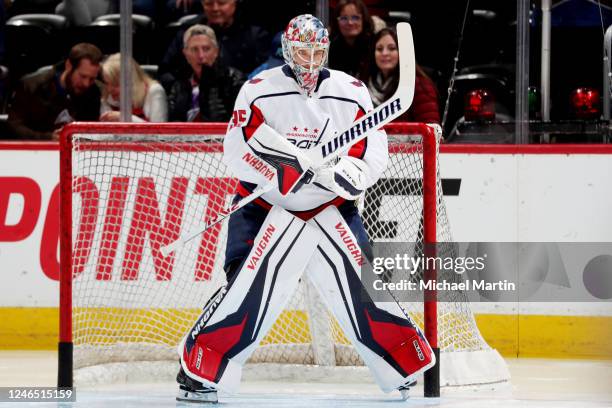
[[340, 142]]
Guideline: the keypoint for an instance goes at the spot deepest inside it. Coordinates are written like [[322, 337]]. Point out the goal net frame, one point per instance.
[[431, 189]]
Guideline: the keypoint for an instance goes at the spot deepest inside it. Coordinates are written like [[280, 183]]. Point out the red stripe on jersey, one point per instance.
[[255, 120], [358, 149]]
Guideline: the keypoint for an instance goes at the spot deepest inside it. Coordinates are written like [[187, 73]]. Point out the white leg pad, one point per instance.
[[389, 342], [234, 323]]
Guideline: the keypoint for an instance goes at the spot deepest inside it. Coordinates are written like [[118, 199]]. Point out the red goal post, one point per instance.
[[107, 307]]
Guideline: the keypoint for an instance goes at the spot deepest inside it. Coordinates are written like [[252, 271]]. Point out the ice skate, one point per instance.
[[193, 391], [405, 388]]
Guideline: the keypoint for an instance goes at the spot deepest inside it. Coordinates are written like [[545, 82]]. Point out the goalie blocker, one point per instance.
[[326, 251]]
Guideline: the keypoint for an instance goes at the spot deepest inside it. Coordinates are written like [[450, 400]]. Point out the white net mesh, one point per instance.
[[133, 194]]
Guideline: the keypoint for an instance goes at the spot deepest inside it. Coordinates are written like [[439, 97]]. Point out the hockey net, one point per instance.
[[128, 190]]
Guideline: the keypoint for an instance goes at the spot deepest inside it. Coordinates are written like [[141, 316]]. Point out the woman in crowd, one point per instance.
[[351, 43], [148, 97], [384, 77]]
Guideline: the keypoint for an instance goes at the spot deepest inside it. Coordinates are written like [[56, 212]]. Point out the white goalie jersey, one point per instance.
[[275, 98]]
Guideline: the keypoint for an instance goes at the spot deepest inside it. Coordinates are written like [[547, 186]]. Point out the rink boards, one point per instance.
[[535, 194]]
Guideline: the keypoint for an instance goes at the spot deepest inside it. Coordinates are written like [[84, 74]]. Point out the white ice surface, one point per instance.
[[535, 383]]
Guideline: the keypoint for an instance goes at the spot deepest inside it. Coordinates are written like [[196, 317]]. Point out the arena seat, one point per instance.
[[33, 40], [105, 33]]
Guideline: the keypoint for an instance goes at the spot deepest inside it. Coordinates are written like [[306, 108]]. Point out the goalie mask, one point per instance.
[[305, 46]]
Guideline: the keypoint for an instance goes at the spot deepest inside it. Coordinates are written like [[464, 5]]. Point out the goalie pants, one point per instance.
[[325, 250]]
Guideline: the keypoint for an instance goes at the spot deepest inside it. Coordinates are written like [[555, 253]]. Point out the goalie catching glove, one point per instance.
[[347, 178]]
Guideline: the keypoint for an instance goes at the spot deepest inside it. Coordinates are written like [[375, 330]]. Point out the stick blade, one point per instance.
[[407, 63]]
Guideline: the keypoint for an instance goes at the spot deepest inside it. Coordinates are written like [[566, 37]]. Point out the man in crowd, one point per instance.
[[207, 94], [49, 98], [241, 46]]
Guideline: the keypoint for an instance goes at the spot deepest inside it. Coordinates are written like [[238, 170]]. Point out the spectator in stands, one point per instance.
[[241, 46], [384, 77], [148, 97], [49, 98], [208, 94], [351, 38]]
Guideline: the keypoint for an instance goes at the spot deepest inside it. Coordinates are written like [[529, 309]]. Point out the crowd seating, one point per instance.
[[36, 40]]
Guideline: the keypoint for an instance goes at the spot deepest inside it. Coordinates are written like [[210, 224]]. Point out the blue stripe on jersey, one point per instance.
[[339, 98], [275, 94]]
